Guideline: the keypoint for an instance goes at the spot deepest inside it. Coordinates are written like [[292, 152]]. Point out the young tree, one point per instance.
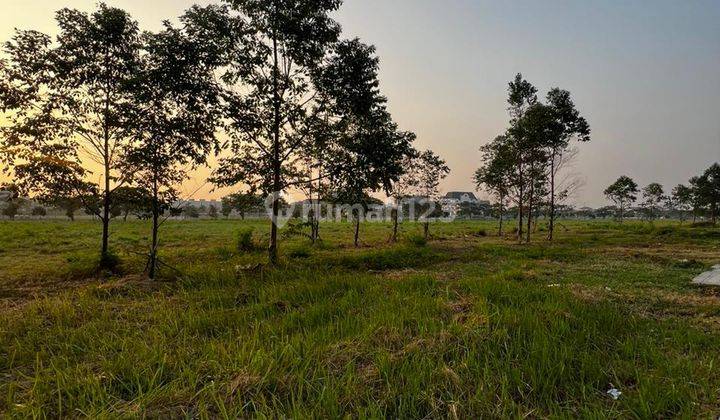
[[522, 96], [244, 202], [272, 49], [68, 104], [371, 150], [404, 188], [682, 199], [537, 127], [497, 173], [570, 126], [175, 126], [653, 196], [623, 193], [431, 170]]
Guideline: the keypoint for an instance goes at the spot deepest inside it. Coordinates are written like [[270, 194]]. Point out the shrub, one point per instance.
[[245, 242], [110, 262]]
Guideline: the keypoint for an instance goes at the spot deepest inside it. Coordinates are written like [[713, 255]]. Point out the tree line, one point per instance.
[[699, 198], [269, 87]]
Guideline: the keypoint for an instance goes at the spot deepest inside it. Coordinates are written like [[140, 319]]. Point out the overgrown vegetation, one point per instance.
[[465, 325]]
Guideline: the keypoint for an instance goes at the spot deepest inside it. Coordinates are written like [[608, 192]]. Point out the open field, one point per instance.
[[466, 325]]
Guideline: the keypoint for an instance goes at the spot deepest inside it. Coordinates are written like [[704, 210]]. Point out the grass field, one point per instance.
[[467, 325]]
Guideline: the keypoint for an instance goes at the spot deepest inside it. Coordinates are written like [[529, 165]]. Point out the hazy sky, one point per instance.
[[646, 74]]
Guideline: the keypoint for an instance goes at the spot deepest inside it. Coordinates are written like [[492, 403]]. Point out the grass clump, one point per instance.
[[300, 252], [417, 240], [246, 241]]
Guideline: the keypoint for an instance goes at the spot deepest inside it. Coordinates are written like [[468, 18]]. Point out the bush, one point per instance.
[[110, 262], [245, 242], [223, 253]]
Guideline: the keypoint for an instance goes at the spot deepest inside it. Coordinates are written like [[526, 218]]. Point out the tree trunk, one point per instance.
[[426, 230], [273, 250], [530, 210], [311, 215], [502, 211], [396, 216], [106, 216], [551, 227], [152, 264], [357, 232], [520, 205]]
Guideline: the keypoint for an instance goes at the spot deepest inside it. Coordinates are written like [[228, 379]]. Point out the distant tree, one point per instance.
[[10, 200], [68, 205], [497, 173], [175, 211], [131, 200], [606, 211], [623, 193], [12, 208], [430, 170], [39, 211], [653, 198], [707, 191], [213, 212], [226, 207], [404, 188], [68, 105], [243, 203], [682, 200], [191, 212]]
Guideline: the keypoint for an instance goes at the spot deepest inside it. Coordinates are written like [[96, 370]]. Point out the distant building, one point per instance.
[[199, 204], [458, 197], [465, 204]]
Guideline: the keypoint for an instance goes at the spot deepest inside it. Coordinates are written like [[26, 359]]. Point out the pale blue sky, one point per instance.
[[646, 74]]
